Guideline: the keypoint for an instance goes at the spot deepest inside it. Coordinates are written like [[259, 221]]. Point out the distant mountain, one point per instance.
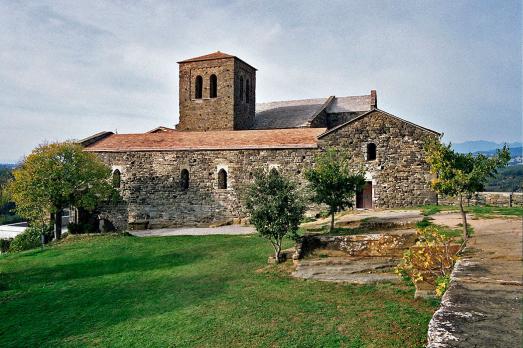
[[482, 146], [7, 165], [514, 151]]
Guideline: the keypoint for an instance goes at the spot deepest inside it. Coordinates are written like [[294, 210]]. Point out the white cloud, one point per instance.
[[72, 68]]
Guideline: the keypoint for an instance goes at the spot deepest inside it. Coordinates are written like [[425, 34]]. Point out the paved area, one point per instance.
[[483, 307], [195, 231]]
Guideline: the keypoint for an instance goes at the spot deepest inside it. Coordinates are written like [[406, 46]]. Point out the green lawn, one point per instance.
[[478, 211], [213, 291]]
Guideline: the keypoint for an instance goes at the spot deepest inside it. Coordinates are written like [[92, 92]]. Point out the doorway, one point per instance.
[[364, 197]]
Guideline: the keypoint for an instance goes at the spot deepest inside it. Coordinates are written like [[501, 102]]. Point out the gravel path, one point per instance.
[[482, 307], [195, 231]]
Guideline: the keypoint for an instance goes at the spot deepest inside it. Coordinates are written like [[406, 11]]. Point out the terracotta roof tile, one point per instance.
[[212, 140], [215, 55]]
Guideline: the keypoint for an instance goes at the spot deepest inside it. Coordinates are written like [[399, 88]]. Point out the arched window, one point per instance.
[[184, 179], [117, 179], [247, 91], [198, 87], [241, 88], [371, 152], [222, 179], [213, 82]]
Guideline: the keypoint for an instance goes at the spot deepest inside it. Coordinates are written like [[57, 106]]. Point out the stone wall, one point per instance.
[[244, 112], [152, 195], [497, 199], [399, 174]]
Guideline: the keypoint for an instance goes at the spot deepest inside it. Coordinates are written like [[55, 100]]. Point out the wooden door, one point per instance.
[[364, 197]]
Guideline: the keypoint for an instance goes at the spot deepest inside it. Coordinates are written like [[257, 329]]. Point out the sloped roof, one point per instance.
[[161, 129], [213, 56], [212, 140], [299, 113], [351, 104], [286, 114], [332, 130]]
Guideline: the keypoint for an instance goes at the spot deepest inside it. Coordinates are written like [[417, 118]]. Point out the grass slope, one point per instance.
[[213, 291]]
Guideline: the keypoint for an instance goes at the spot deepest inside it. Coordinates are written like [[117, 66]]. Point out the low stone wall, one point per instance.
[[366, 245], [497, 199]]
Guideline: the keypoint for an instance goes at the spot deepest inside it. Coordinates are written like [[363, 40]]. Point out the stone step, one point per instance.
[[366, 270]]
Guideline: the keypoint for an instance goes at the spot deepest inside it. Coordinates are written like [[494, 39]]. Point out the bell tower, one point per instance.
[[216, 92]]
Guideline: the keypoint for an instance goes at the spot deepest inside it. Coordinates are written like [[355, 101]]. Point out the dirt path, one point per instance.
[[195, 231], [482, 307]]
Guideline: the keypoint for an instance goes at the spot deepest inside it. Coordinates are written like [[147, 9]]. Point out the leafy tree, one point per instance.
[[275, 207], [460, 174], [333, 183], [55, 176]]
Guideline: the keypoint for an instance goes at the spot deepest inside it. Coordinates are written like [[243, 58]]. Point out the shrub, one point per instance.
[[80, 228], [423, 223], [4, 245], [432, 259], [275, 208], [29, 239]]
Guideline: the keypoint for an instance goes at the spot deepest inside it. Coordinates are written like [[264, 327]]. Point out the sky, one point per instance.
[[69, 69]]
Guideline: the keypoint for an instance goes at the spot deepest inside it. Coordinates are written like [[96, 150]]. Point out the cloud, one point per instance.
[[72, 68]]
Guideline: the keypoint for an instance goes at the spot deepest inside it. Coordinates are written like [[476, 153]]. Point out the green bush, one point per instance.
[[29, 239], [4, 245], [80, 228]]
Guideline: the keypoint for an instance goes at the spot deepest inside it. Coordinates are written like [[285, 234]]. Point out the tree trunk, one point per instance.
[[277, 252], [464, 218], [58, 224], [332, 222]]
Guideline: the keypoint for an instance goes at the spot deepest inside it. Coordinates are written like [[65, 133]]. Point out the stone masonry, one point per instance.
[[223, 136], [399, 174]]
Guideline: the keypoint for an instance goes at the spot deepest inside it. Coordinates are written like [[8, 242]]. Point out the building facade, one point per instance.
[[197, 173]]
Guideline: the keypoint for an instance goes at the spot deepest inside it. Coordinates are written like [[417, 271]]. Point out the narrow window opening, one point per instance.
[[371, 152], [241, 88], [222, 179], [198, 87], [117, 179], [184, 179], [213, 86], [247, 91]]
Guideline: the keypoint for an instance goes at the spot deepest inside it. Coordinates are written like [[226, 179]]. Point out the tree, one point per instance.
[[275, 207], [461, 174], [55, 176], [333, 183]]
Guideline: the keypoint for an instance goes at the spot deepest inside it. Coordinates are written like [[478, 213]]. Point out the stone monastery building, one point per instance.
[[194, 174]]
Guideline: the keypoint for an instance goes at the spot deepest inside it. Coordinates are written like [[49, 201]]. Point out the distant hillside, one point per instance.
[[514, 152], [508, 179], [7, 165], [481, 145]]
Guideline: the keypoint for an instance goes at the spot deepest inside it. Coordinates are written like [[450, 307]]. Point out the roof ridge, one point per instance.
[[328, 131], [292, 100]]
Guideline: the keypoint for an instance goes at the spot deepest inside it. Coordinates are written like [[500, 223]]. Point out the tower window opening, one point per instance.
[[198, 87], [213, 82], [241, 88], [247, 91]]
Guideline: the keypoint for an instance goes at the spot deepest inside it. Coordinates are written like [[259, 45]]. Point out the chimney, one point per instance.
[[373, 99]]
